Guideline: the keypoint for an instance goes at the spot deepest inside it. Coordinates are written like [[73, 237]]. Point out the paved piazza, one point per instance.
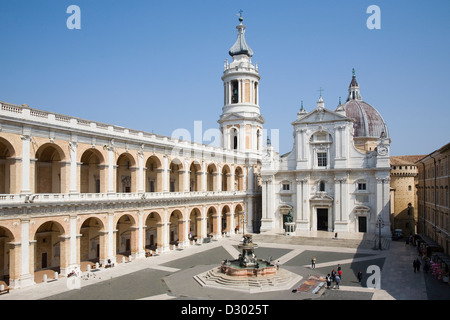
[[170, 276]]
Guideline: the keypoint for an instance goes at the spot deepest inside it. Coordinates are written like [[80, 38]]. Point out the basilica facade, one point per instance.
[[76, 191], [336, 178]]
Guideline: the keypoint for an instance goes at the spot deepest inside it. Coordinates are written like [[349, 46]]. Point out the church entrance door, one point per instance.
[[322, 219], [362, 224]]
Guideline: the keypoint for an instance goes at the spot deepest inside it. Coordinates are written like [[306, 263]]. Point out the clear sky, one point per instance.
[[156, 66]]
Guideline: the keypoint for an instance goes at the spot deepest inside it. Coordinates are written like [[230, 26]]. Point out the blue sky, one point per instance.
[[156, 65]]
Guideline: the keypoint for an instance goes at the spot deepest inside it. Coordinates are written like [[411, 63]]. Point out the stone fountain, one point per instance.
[[247, 264], [248, 273]]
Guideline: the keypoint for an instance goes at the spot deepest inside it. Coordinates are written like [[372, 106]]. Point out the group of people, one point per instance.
[[335, 276], [417, 264]]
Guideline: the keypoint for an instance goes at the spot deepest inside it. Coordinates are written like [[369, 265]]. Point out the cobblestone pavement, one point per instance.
[[169, 276]]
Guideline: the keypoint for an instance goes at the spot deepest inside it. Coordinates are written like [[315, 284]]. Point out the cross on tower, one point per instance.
[[320, 90]]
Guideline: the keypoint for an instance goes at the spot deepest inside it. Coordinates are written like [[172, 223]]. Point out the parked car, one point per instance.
[[397, 234]]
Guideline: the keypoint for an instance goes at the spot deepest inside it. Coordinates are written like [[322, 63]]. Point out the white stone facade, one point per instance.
[[325, 182]]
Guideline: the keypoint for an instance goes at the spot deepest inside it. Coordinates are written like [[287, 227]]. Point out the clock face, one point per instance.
[[382, 150]]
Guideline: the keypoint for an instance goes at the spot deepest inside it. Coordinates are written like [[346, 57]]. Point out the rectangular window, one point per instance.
[[285, 187], [362, 187], [322, 159]]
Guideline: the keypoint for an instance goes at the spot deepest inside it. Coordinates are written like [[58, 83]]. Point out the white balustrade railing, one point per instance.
[[6, 199]]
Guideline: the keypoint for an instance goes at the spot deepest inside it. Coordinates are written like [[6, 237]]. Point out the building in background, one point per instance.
[[433, 197], [404, 180], [336, 178]]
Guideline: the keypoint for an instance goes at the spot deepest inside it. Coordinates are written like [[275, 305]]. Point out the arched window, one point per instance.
[[234, 139]]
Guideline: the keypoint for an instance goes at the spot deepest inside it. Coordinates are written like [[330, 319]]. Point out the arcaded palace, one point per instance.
[[75, 190]]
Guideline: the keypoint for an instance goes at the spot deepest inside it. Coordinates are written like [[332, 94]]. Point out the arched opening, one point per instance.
[[91, 242], [126, 237], [154, 175], [212, 177], [125, 174], [238, 179], [153, 231], [7, 176], [211, 222], [6, 256], [239, 219], [195, 177], [176, 181], [176, 233], [234, 138], [48, 247], [225, 219], [92, 172], [195, 224], [48, 176], [226, 178]]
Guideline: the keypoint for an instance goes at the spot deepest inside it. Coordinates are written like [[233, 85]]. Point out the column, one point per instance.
[[141, 251], [111, 231], [232, 218], [73, 167], [186, 226], [73, 262], [187, 177], [204, 176], [165, 174], [26, 139], [111, 188], [141, 171], [26, 277], [267, 219], [233, 184], [219, 178], [248, 216], [204, 218], [166, 230]]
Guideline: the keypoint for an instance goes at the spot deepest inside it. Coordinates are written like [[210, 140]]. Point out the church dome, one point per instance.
[[368, 121]]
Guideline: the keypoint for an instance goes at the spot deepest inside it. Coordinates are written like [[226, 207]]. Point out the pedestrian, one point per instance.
[[278, 264], [313, 263], [333, 275], [418, 264], [328, 278], [340, 274], [338, 281], [359, 276]]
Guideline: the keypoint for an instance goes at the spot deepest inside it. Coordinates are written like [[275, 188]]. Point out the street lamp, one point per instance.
[[380, 224]]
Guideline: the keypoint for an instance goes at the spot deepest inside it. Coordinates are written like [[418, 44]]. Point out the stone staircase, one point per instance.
[[282, 280]]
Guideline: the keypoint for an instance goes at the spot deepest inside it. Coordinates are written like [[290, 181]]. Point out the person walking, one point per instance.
[[359, 276], [340, 274], [328, 279], [418, 264], [338, 281], [313, 263], [333, 275]]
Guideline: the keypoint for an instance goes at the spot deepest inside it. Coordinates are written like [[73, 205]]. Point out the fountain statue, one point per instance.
[[247, 264]]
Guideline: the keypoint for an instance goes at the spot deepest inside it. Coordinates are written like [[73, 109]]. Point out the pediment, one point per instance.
[[320, 115], [321, 196]]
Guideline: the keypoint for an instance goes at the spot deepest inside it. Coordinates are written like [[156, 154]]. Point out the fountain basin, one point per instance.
[[264, 268]]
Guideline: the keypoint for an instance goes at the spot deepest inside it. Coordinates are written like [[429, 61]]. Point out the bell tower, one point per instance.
[[241, 123]]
